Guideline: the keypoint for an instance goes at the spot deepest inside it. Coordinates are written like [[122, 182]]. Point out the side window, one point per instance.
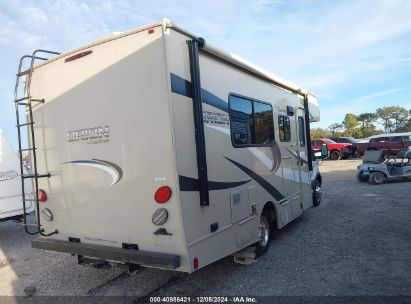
[[395, 139], [407, 138], [284, 128], [264, 124], [301, 131], [241, 119], [251, 122]]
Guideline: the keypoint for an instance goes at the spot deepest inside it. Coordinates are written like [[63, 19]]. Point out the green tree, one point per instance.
[[319, 133], [394, 118], [350, 123], [335, 127], [367, 121]]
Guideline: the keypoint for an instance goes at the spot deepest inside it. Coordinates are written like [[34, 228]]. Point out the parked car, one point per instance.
[[347, 140], [390, 143], [337, 150]]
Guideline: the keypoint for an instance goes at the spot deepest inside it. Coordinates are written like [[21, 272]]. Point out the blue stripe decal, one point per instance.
[[183, 87], [193, 184], [263, 183]]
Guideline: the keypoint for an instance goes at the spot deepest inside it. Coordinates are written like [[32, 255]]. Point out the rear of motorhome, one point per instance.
[[11, 205], [155, 148]]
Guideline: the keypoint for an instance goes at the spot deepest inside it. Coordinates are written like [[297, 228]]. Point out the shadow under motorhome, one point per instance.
[[166, 152], [11, 207]]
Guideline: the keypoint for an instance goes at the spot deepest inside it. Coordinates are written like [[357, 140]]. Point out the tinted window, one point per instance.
[[264, 125], [379, 139], [407, 138], [395, 139], [241, 117], [251, 122], [342, 140], [284, 128], [301, 131]]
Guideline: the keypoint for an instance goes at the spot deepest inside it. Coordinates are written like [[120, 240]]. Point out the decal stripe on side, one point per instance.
[[263, 183], [183, 87], [192, 184]]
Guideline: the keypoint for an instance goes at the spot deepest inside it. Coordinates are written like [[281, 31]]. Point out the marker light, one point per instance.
[[195, 263], [162, 194], [42, 196], [150, 31], [160, 216]]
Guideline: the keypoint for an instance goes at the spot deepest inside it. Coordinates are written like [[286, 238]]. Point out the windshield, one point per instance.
[[329, 141]]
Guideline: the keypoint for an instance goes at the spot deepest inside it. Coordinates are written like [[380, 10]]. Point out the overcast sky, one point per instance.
[[354, 55]]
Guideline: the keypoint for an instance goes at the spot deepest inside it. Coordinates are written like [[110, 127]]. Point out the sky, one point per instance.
[[355, 55]]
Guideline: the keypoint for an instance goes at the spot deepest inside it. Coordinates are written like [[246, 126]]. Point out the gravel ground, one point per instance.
[[356, 243]]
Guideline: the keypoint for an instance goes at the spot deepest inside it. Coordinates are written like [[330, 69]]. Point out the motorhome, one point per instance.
[[11, 205], [152, 147]]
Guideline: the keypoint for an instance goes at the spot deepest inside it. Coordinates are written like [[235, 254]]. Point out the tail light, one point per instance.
[[195, 263], [41, 195], [163, 194]]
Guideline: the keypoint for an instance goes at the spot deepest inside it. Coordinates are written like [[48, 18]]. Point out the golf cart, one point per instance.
[[376, 168]]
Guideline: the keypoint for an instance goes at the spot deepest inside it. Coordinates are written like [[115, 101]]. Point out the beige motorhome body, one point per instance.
[[121, 119]]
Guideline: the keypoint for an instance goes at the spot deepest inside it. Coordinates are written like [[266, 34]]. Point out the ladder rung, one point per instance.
[[34, 225], [24, 103], [34, 176], [29, 200], [38, 100], [21, 99], [23, 73], [27, 149], [26, 124]]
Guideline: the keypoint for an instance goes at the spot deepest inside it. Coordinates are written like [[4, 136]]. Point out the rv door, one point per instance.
[[290, 161]]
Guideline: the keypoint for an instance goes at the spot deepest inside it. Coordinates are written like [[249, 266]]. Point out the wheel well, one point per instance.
[[339, 151], [319, 178], [270, 208]]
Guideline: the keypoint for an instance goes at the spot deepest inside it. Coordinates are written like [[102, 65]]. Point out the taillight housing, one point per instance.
[[195, 263], [41, 195], [163, 194]]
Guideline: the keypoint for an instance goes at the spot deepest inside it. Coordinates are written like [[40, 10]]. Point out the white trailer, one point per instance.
[[11, 205], [157, 149]]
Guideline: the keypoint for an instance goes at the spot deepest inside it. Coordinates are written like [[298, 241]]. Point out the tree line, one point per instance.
[[390, 118]]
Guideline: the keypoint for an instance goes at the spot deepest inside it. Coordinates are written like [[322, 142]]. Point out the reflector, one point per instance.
[[162, 194]]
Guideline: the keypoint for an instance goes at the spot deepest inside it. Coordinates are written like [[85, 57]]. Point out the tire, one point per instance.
[[316, 193], [363, 178], [266, 233], [335, 155], [377, 178]]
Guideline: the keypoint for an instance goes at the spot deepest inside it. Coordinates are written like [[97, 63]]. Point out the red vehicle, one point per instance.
[[336, 150]]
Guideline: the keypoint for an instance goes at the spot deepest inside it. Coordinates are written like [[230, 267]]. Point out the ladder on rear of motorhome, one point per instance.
[[27, 101]]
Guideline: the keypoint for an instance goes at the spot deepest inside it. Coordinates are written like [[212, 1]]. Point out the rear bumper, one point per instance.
[[114, 254]]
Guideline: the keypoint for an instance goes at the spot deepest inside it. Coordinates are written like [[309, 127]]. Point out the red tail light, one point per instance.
[[195, 263], [42, 196], [163, 194]]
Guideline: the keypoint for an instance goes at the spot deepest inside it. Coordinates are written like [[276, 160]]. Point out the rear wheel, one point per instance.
[[316, 193], [266, 233], [377, 178], [335, 155]]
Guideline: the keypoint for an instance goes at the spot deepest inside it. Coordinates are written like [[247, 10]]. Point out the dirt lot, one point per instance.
[[357, 242]]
